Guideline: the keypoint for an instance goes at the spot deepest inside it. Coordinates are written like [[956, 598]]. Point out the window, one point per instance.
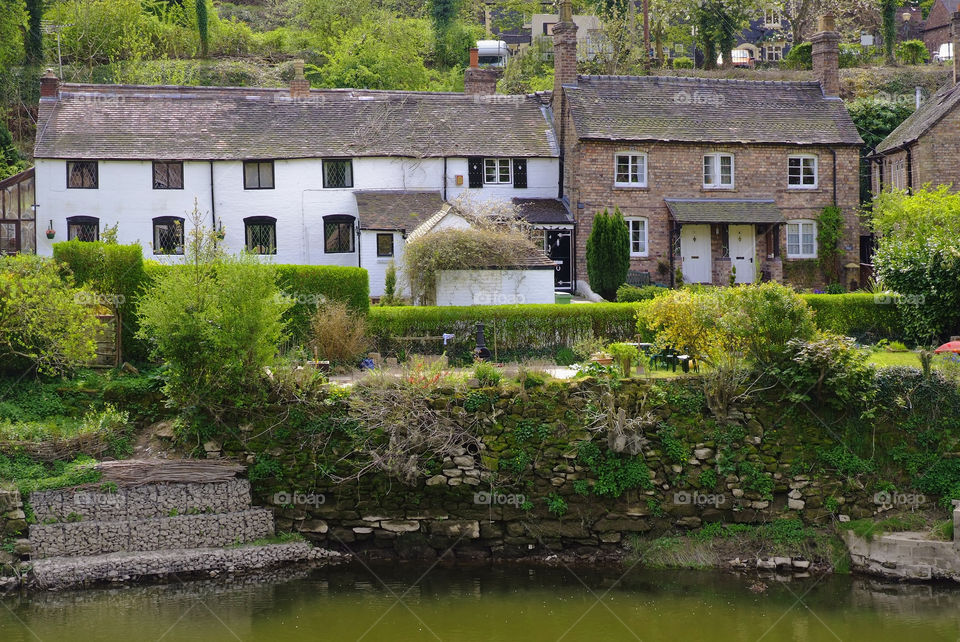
[[167, 175], [384, 244], [82, 175], [337, 234], [338, 173], [772, 18], [801, 240], [258, 175], [496, 171], [638, 236], [718, 171], [168, 235], [260, 233], [772, 53], [898, 174], [631, 170], [83, 228], [802, 172]]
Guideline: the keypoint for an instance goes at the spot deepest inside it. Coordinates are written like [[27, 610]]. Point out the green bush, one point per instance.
[[912, 52], [682, 62], [856, 314], [608, 253], [629, 293], [764, 317], [306, 285], [116, 272], [800, 56], [511, 330], [487, 374]]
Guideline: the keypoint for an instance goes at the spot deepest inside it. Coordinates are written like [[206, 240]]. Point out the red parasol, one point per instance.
[[951, 346]]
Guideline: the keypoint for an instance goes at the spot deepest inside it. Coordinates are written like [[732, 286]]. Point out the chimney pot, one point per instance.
[[299, 86], [564, 54], [826, 55], [49, 85], [474, 58], [827, 22]]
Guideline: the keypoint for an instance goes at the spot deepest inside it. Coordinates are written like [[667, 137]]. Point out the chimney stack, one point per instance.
[[564, 53], [299, 86], [49, 85], [477, 81], [826, 55], [955, 42]]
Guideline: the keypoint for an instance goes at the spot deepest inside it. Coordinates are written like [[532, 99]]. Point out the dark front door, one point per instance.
[[558, 249]]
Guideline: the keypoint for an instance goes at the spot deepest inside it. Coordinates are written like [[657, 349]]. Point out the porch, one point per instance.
[[18, 225], [725, 241]]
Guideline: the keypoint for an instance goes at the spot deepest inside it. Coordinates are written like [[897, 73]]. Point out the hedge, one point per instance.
[[114, 271], [511, 330], [858, 314], [630, 293]]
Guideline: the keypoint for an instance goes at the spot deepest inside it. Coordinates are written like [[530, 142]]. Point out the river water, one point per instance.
[[484, 604]]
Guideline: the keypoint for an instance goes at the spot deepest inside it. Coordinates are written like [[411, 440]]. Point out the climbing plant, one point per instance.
[[829, 235]]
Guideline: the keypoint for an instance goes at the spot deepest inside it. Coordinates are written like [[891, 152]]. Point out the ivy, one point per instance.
[[829, 237], [615, 473]]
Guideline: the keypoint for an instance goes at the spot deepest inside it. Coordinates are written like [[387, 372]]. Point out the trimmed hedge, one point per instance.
[[307, 285], [858, 314], [511, 330], [630, 293], [114, 271]]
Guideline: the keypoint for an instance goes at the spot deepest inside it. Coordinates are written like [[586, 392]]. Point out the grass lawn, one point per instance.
[[886, 359]]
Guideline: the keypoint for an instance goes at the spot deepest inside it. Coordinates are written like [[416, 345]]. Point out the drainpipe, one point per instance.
[[909, 171], [444, 179], [670, 240], [834, 152], [303, 225], [213, 201]]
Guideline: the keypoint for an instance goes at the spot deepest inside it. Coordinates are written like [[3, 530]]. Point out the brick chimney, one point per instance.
[[955, 40], [49, 85], [477, 81], [826, 55], [564, 53], [299, 86]]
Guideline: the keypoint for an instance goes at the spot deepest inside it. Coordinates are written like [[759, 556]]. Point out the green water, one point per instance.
[[488, 605]]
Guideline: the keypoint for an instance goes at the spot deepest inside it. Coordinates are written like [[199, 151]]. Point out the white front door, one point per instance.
[[695, 252], [742, 252]]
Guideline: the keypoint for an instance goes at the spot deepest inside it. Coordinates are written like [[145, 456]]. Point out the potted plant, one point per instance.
[[624, 354], [50, 231], [602, 358]]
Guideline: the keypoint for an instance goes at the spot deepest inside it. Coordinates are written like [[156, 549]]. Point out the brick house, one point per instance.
[[924, 148], [936, 28], [715, 177]]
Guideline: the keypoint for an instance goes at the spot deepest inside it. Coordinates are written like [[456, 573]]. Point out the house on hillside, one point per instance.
[[714, 177], [937, 28], [765, 39], [923, 149], [329, 177]]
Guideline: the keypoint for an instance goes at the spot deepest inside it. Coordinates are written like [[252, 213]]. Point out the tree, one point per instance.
[[203, 27], [608, 253], [918, 258], [44, 320], [33, 40], [443, 12], [13, 17], [10, 160], [888, 13], [875, 119]]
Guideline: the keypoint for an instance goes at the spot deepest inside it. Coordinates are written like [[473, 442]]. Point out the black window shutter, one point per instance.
[[519, 172], [475, 171]]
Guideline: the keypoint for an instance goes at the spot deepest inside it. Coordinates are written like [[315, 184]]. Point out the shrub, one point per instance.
[[855, 314], [305, 286], [608, 253], [912, 52], [44, 320], [338, 334], [511, 330], [682, 62], [829, 237], [565, 357], [216, 321], [764, 317], [828, 363], [800, 56], [629, 293], [117, 273], [487, 374], [624, 354], [684, 320]]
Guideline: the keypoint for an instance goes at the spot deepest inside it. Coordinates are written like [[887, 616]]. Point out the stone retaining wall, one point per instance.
[[140, 502], [164, 533]]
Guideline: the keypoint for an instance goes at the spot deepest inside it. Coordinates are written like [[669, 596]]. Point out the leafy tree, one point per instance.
[[443, 12], [528, 71], [918, 257], [216, 321], [888, 13], [829, 235], [608, 254], [33, 39], [10, 160], [13, 17], [875, 119], [912, 52], [203, 27], [44, 320]]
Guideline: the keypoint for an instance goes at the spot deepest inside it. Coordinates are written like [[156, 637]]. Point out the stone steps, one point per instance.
[[66, 572], [140, 502], [152, 534]]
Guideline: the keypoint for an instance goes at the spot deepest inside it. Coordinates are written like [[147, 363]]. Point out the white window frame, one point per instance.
[[795, 250], [898, 174], [773, 53], [714, 160], [635, 160], [643, 228], [497, 164], [816, 171], [772, 18]]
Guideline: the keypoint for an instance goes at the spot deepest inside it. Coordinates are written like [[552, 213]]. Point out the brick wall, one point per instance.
[[937, 27], [932, 158], [675, 171]]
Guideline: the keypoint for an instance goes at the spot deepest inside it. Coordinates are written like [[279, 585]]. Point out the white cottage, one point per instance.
[[325, 177]]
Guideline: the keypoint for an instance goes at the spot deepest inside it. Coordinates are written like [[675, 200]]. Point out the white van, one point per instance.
[[492, 53]]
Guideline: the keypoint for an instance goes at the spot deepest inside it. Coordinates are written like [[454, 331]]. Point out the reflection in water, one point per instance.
[[490, 605]]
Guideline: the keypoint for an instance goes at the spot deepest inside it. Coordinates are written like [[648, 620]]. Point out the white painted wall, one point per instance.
[[377, 265], [494, 287], [298, 201]]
